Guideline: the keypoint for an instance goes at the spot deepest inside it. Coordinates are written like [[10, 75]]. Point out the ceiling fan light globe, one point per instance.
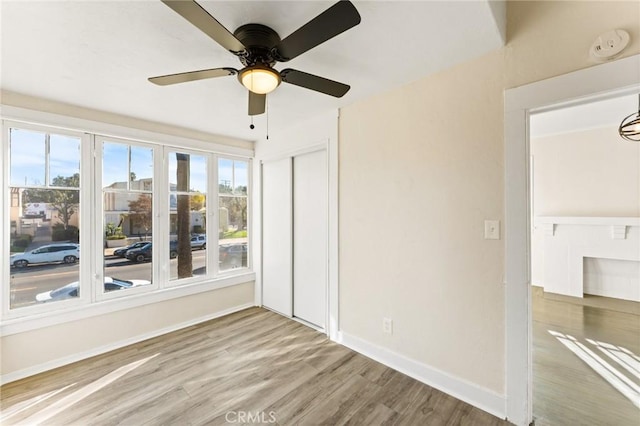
[[630, 128], [259, 80]]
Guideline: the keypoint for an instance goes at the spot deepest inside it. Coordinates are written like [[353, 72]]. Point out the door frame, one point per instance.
[[595, 83]]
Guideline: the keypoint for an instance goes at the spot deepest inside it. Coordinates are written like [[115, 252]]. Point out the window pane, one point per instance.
[[225, 176], [194, 168], [198, 181], [187, 174], [187, 250], [232, 232], [27, 157], [44, 249], [115, 168], [64, 161], [128, 219], [241, 177], [141, 175]]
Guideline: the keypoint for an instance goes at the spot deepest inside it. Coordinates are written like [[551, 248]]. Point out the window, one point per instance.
[[44, 215], [187, 209], [233, 184], [127, 208], [84, 213]]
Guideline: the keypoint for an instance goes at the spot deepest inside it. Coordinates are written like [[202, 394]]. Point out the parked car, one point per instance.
[[145, 252], [198, 241], [120, 252], [233, 256], [71, 290], [51, 253]]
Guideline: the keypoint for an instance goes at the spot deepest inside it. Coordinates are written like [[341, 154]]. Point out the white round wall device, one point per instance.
[[609, 45]]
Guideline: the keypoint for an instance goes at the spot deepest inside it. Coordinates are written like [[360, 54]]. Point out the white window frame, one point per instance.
[[83, 221], [88, 304], [100, 222], [249, 267], [211, 273]]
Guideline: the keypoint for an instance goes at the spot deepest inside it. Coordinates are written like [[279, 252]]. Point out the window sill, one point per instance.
[[60, 316]]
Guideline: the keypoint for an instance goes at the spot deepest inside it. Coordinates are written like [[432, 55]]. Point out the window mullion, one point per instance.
[[47, 152], [87, 220], [161, 218], [213, 206]]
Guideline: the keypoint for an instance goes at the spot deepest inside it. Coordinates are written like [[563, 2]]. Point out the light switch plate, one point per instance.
[[491, 229]]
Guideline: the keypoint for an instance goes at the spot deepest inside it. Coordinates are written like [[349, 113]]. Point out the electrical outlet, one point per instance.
[[387, 325]]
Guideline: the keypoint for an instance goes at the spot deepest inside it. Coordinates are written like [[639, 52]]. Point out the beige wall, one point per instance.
[[586, 173], [34, 348], [421, 168], [551, 38]]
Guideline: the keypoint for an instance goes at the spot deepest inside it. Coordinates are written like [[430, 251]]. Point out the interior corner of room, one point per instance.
[[456, 238]]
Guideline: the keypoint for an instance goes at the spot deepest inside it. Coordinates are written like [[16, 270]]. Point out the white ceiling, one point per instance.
[[591, 115], [99, 54]]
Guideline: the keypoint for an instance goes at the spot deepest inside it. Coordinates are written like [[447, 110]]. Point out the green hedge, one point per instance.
[[72, 233], [20, 242]]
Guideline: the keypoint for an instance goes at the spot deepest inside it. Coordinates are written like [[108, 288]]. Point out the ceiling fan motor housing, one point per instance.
[[260, 41]]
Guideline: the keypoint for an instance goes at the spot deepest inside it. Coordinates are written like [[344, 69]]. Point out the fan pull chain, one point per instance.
[[251, 126], [267, 117]]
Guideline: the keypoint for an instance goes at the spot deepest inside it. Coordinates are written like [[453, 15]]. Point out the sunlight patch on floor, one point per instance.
[[31, 402], [77, 396], [618, 380]]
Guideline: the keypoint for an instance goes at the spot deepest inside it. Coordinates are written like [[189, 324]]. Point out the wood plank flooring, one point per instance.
[[251, 367], [566, 389]]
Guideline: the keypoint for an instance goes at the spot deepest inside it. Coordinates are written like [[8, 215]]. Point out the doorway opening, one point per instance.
[[601, 82], [584, 188]]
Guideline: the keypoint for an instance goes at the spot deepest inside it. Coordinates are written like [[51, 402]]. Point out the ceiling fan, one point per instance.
[[259, 47]]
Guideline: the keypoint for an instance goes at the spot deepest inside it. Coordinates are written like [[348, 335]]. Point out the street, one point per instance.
[[26, 283]]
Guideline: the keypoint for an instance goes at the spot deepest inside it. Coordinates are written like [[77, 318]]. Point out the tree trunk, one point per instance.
[[185, 262]]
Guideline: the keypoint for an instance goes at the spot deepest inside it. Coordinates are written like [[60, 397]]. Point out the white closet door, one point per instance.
[[276, 236], [310, 218]]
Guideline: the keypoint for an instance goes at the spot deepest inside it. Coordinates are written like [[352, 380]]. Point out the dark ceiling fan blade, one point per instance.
[[333, 21], [313, 82], [194, 13], [183, 77], [256, 103]]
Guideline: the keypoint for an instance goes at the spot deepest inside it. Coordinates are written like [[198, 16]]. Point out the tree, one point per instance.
[[197, 202], [142, 212], [237, 208], [185, 261], [65, 201]]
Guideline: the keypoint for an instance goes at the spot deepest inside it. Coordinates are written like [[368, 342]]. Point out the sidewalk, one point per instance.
[[41, 237]]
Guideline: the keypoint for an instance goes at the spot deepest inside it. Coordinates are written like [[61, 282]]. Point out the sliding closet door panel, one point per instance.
[[276, 236], [310, 237]]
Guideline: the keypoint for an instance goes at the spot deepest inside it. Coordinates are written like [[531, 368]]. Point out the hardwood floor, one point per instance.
[[251, 367], [574, 338]]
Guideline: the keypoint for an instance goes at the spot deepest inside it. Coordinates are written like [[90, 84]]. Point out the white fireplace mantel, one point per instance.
[[570, 241]]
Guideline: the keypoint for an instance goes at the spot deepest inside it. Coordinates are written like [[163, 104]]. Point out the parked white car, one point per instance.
[[71, 290], [51, 253], [198, 241]]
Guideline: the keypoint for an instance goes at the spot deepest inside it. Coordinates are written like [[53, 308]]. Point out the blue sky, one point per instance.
[[28, 157], [116, 158], [198, 172], [226, 172], [28, 162]]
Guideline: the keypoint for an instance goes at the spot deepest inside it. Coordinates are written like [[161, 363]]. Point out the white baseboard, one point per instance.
[[49, 365], [470, 393]]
